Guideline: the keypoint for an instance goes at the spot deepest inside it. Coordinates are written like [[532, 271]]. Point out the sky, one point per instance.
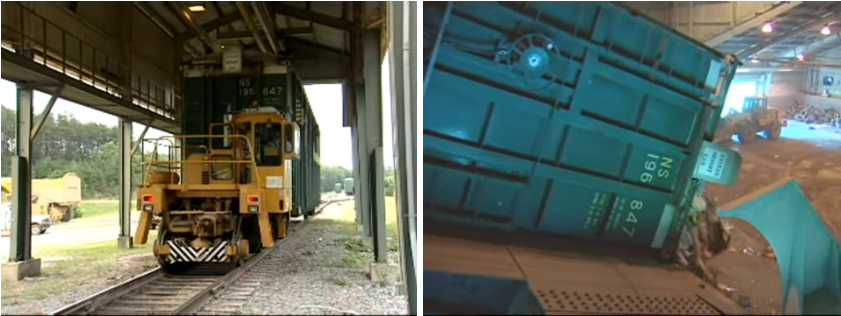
[[326, 100]]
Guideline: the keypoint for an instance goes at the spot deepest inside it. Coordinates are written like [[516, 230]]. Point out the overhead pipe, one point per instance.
[[266, 21], [250, 23], [161, 25], [148, 13], [191, 23]]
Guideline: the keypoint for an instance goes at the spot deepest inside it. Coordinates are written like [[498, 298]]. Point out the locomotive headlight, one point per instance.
[[148, 207], [253, 208]]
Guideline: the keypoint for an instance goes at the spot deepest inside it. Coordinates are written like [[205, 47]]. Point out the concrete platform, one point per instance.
[[16, 271], [125, 242]]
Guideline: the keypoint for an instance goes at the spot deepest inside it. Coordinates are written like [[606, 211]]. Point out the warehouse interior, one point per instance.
[[791, 55]]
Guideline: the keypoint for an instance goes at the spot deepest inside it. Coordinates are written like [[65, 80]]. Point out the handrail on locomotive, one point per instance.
[[172, 164]]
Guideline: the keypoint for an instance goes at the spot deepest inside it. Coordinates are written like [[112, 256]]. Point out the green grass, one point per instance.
[[360, 253], [64, 268], [102, 208], [392, 231]]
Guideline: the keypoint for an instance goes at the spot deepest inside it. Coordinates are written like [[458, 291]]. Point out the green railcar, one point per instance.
[[349, 189]]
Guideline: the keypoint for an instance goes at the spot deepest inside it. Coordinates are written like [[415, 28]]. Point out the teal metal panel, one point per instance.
[[572, 118]]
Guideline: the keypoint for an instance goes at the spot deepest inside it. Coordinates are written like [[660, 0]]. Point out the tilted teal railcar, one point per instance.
[[572, 118], [583, 120]]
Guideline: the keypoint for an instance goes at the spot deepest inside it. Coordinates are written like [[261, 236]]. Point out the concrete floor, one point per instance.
[[812, 155]]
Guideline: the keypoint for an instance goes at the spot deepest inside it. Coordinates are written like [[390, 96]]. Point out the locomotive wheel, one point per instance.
[[165, 266], [251, 230], [283, 225], [240, 243]]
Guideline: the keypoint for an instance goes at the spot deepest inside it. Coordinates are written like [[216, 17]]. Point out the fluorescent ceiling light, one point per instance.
[[196, 8]]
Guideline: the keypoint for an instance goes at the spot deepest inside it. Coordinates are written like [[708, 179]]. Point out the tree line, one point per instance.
[[330, 175], [66, 144]]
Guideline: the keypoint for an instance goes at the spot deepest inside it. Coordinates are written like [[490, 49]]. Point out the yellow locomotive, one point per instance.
[[231, 197]]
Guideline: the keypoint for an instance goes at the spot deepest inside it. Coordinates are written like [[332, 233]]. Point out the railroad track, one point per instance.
[[157, 293]]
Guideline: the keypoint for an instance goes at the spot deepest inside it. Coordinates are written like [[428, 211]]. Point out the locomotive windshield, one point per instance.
[[267, 139]]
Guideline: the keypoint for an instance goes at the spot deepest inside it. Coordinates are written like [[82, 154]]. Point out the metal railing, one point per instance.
[[30, 35], [175, 163]]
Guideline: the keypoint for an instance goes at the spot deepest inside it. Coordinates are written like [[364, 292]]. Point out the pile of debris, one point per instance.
[[808, 114], [704, 236]]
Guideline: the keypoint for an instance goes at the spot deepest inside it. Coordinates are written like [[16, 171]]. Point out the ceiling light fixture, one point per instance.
[[196, 8], [754, 61], [800, 57], [825, 30], [767, 28]]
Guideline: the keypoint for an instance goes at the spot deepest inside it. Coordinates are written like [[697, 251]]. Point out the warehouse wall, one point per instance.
[[701, 19], [813, 88], [785, 89]]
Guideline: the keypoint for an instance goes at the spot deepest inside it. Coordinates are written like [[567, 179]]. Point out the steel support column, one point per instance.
[[403, 113], [21, 247], [125, 240], [354, 137], [374, 127], [360, 183]]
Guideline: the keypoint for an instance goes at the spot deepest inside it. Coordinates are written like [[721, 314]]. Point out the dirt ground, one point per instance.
[[812, 155]]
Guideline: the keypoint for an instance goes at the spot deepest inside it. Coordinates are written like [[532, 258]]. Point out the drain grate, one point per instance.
[[575, 301]]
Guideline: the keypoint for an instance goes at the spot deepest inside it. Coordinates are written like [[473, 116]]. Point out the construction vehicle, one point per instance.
[[56, 198], [755, 117], [39, 223], [227, 200]]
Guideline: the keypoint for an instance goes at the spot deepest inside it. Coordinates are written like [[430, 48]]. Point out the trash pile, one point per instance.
[[703, 237], [808, 114]]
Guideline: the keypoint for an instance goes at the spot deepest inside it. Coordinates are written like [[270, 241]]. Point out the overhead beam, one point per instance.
[[268, 26], [212, 25], [797, 30], [752, 22], [315, 17], [46, 113], [243, 11], [814, 48], [802, 63], [235, 35], [139, 139], [162, 25], [188, 20]]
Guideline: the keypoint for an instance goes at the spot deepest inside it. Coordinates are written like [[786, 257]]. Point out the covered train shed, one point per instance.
[[161, 64], [551, 129]]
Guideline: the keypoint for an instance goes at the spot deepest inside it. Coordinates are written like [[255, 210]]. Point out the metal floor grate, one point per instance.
[[584, 302]]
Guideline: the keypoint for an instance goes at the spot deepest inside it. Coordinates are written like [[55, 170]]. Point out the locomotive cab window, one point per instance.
[[221, 171], [267, 139], [221, 143]]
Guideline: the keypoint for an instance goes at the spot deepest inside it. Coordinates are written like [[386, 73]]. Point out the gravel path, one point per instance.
[[78, 287], [322, 269]]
